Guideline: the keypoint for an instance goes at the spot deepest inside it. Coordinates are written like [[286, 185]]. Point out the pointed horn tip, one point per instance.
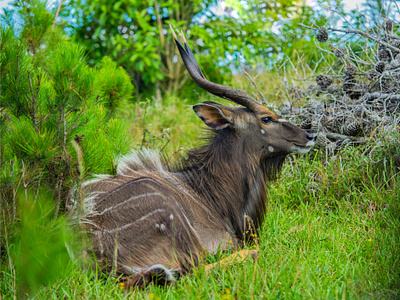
[[173, 33], [183, 37]]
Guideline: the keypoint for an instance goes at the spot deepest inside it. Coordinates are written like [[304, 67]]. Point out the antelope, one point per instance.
[[155, 220]]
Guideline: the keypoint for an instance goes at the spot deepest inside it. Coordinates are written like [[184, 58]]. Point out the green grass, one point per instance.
[[331, 230]]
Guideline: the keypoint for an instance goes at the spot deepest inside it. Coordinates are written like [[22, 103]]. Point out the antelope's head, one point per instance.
[[261, 129]]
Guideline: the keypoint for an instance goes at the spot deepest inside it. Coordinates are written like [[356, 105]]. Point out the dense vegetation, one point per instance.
[[79, 90]]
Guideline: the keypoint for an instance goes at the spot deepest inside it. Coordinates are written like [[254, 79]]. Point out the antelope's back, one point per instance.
[[146, 216]]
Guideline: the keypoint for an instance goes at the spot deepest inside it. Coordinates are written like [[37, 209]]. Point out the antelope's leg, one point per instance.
[[233, 258]]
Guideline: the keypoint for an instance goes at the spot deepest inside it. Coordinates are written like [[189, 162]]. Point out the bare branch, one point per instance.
[[263, 100], [378, 95], [342, 137], [31, 87], [33, 101], [84, 108], [159, 24], [57, 13]]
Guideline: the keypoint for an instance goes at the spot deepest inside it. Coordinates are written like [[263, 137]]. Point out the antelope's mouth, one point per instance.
[[302, 148]]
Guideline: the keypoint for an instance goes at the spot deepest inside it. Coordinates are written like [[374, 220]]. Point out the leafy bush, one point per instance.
[[136, 34]]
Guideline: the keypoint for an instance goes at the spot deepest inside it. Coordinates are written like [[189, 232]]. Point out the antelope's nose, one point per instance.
[[310, 137]]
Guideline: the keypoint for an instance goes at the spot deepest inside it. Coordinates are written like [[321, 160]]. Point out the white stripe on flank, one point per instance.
[[187, 220], [124, 186], [129, 224], [126, 201]]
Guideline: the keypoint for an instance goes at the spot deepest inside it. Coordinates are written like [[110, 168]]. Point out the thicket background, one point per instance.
[[83, 82]]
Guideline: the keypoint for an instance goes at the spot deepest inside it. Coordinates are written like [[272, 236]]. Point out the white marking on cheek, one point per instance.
[[262, 131], [270, 149], [282, 120]]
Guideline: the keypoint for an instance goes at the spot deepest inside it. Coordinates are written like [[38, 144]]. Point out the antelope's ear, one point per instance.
[[215, 117]]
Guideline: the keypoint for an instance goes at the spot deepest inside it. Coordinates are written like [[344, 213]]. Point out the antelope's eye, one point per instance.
[[266, 120]]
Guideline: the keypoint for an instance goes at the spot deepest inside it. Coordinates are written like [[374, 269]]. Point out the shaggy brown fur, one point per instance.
[[230, 181]]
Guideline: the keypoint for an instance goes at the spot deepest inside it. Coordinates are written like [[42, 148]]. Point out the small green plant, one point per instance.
[[40, 247]]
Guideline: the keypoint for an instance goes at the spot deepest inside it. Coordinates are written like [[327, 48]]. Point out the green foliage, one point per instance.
[[346, 178], [104, 142], [14, 65], [49, 95], [136, 35], [127, 31], [43, 244], [74, 82], [115, 83], [32, 145], [36, 22]]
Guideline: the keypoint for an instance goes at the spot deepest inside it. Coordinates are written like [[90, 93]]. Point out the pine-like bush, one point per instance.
[[49, 95]]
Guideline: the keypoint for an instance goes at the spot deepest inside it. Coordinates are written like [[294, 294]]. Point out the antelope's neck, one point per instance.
[[233, 188]]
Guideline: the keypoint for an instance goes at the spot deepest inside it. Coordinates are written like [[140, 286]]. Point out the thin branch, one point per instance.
[[392, 36], [342, 137], [44, 118], [73, 126], [159, 24], [57, 13], [263, 100], [33, 101], [31, 87], [378, 95]]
